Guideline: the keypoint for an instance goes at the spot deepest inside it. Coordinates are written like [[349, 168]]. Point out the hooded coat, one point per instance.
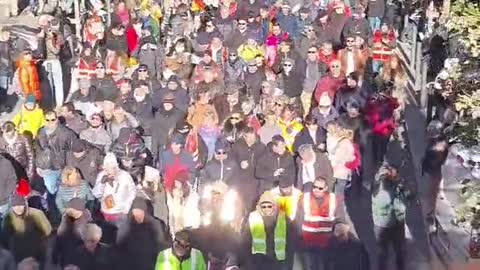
[[138, 244], [163, 125]]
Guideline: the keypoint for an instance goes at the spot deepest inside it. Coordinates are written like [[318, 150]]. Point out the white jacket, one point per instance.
[[340, 152], [123, 192]]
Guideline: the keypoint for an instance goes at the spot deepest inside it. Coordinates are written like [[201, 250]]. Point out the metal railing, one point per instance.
[[411, 51]]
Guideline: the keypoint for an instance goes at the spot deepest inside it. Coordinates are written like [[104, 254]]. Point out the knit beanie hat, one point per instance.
[[110, 161]]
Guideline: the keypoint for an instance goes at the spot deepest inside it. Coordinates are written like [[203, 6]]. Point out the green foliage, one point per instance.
[[465, 21]]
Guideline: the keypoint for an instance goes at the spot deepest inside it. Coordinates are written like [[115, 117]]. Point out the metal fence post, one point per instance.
[[413, 48], [423, 84], [417, 62]]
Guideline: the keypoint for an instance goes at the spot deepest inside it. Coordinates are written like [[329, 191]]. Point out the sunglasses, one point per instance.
[[232, 55], [350, 40], [235, 118], [51, 120], [318, 187], [242, 23], [221, 152], [99, 67], [269, 206], [142, 70], [278, 104], [312, 52], [287, 65]]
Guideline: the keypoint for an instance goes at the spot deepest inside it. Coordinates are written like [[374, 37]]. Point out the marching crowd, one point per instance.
[[203, 135]]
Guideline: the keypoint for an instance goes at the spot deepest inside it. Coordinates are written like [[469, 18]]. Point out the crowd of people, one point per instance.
[[203, 135]]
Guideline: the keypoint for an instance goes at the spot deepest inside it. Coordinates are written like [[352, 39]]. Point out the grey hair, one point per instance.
[[91, 230], [304, 148], [28, 264]]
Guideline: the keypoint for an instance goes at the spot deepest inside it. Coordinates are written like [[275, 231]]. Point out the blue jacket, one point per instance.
[[289, 24]]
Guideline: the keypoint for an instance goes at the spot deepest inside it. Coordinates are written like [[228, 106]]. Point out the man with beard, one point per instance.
[[181, 256], [141, 238], [96, 134]]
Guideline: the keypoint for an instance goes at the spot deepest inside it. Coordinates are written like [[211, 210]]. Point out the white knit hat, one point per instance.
[[110, 161]]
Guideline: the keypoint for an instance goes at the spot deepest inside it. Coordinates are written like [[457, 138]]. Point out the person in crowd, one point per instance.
[[290, 126], [384, 41], [325, 112], [267, 236], [341, 153], [104, 84], [96, 134], [312, 134], [72, 186], [435, 156], [287, 196], [174, 160], [222, 167], [8, 182], [93, 254], [271, 127], [181, 255], [276, 161], [357, 25], [315, 217], [344, 251], [183, 205], [141, 238], [311, 165], [6, 68], [28, 78], [313, 73], [25, 231], [73, 120], [330, 82], [74, 219], [20, 148], [351, 91], [115, 189], [86, 159], [389, 199], [54, 141], [352, 59], [54, 42], [30, 118]]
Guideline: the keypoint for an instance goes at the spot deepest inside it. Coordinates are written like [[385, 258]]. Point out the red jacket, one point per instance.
[[132, 39], [380, 50], [379, 115], [328, 84]]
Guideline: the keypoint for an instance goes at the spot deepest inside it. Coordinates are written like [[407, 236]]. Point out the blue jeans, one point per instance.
[[377, 66], [4, 82], [375, 23], [50, 180], [54, 67]]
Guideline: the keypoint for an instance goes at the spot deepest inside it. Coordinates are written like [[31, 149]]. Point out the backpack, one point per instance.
[[355, 164]]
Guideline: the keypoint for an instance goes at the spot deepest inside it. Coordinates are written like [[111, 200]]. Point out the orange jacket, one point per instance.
[[28, 76]]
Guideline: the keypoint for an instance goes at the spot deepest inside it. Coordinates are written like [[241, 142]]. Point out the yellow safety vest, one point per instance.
[[259, 236], [166, 260]]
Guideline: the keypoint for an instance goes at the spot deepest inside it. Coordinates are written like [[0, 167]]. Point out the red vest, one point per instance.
[[85, 70], [318, 220]]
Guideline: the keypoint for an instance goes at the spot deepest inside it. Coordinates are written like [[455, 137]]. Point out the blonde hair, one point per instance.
[[66, 179], [339, 131]]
